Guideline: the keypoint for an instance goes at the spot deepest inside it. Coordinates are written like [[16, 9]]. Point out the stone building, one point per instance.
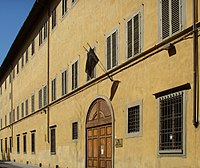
[[138, 107]]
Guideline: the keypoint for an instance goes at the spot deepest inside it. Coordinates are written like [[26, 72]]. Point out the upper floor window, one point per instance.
[[53, 89], [171, 123], [22, 108], [26, 55], [134, 35], [32, 103], [22, 59], [64, 82], [33, 47], [40, 99], [40, 37], [75, 75], [53, 18], [17, 67], [45, 95], [112, 50], [26, 105], [171, 17], [17, 112], [64, 7], [45, 30]]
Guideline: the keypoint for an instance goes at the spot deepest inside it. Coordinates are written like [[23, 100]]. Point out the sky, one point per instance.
[[13, 13]]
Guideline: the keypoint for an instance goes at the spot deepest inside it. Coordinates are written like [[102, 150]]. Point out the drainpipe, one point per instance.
[[195, 66]]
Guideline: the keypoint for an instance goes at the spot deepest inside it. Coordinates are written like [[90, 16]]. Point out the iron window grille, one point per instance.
[[17, 112], [74, 130], [171, 123]]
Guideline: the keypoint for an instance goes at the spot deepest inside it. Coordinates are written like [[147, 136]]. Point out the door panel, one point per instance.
[[99, 147]]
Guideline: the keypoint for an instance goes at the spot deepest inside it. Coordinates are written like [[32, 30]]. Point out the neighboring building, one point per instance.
[[135, 110]]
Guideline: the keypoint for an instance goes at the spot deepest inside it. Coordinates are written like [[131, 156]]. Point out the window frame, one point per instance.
[[54, 18], [74, 85], [25, 143], [140, 132], [18, 144], [182, 15], [33, 142], [32, 103], [117, 31], [173, 152], [40, 102], [53, 143], [64, 82], [64, 8], [75, 137], [53, 89], [139, 12]]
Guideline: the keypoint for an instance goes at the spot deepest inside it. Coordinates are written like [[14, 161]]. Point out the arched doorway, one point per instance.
[[99, 134]]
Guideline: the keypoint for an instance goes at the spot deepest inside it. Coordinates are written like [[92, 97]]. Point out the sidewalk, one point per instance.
[[14, 164]]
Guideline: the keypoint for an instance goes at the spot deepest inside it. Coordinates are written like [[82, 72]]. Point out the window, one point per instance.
[[26, 53], [22, 59], [32, 103], [40, 37], [18, 143], [64, 7], [64, 82], [10, 117], [33, 142], [22, 105], [26, 107], [13, 115], [134, 35], [171, 17], [10, 78], [53, 140], [45, 95], [6, 145], [17, 67], [53, 89], [74, 130], [112, 50], [53, 18], [45, 30], [33, 47], [13, 73], [134, 120], [171, 123], [5, 84], [1, 145], [17, 112], [10, 149], [1, 90], [1, 123], [24, 143], [40, 99], [75, 75]]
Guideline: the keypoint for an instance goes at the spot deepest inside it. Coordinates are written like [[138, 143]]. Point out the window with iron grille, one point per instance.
[[53, 140], [45, 95], [112, 49], [40, 99], [75, 75], [32, 103], [53, 89], [74, 130], [64, 7], [17, 112], [26, 103], [22, 108], [10, 148], [171, 123], [18, 144], [134, 35], [24, 143], [54, 18], [134, 120], [171, 17], [32, 142], [64, 82], [26, 53], [33, 47]]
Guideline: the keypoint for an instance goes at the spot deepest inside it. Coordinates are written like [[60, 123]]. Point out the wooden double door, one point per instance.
[[99, 146]]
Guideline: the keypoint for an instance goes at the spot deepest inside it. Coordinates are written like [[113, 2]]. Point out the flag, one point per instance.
[[91, 62]]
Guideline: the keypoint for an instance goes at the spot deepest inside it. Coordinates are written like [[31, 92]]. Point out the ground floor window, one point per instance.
[[32, 142], [18, 144], [74, 130], [53, 140], [171, 123]]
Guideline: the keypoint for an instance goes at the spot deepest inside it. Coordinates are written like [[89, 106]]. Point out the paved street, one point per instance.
[[8, 164]]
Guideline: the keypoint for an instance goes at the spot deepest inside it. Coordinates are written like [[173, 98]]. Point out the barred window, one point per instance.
[[134, 120], [1, 145], [53, 140], [171, 17], [74, 130], [171, 123]]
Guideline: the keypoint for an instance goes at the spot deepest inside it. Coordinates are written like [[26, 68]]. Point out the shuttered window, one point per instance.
[[45, 96], [45, 30], [40, 37], [112, 50], [64, 7], [32, 103], [53, 18], [22, 108], [33, 47], [53, 89], [64, 82], [17, 112], [40, 99], [26, 106], [171, 17], [75, 75], [134, 35]]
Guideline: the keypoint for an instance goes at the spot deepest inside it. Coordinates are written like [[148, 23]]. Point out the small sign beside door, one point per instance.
[[119, 143]]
